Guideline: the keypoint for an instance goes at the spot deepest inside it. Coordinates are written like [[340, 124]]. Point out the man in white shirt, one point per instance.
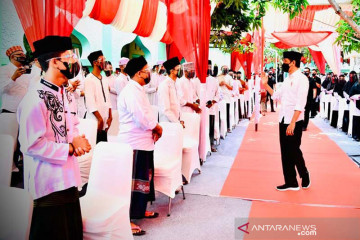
[[140, 129], [293, 97], [168, 100], [123, 78], [212, 97], [111, 80], [97, 96], [152, 87], [225, 82], [14, 79], [185, 90], [50, 141]]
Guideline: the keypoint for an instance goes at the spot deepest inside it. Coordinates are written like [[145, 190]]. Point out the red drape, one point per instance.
[[167, 38], [173, 51], [147, 18], [282, 45], [61, 16], [189, 27], [301, 39], [105, 10], [57, 17], [303, 22], [235, 61], [258, 56], [319, 60]]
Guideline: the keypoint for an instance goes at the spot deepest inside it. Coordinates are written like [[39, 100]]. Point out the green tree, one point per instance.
[[348, 27], [231, 18]]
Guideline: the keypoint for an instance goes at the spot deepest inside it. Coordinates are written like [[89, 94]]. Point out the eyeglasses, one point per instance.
[[69, 56]]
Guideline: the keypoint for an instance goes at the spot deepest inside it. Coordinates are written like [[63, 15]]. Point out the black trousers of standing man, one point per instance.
[[212, 129], [291, 155], [228, 116]]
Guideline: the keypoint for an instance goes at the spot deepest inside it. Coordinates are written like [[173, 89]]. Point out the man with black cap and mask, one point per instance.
[[97, 96], [50, 141], [293, 96], [212, 98], [140, 129], [168, 100]]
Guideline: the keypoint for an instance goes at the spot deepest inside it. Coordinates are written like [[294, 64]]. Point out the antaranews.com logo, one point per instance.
[[297, 228]]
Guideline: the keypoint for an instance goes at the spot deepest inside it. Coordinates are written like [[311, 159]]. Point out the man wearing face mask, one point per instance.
[[168, 100], [140, 129], [152, 87], [310, 98], [14, 79], [316, 103], [97, 96], [225, 83], [111, 80], [50, 142], [212, 97], [123, 78], [293, 96], [272, 84], [185, 90]]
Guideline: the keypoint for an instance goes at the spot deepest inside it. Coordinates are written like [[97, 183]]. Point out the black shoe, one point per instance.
[[306, 181], [304, 129], [213, 149], [272, 110], [287, 187]]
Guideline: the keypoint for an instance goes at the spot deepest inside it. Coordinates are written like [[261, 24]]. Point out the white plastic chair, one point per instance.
[[343, 106], [353, 111], [223, 127], [89, 128], [16, 209], [156, 111], [105, 207], [6, 158], [9, 126], [168, 161], [190, 160], [114, 127]]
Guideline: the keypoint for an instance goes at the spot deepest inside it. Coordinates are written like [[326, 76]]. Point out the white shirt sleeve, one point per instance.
[[89, 91], [164, 98], [33, 121]]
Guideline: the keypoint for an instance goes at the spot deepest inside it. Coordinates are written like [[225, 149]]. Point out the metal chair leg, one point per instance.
[[182, 189], [169, 207]]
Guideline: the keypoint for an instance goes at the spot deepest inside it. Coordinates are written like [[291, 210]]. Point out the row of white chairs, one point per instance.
[[332, 103]]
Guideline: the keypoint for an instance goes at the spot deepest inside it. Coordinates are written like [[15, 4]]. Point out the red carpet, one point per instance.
[[257, 169]]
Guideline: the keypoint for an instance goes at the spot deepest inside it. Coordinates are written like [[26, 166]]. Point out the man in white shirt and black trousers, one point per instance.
[[293, 97], [97, 96], [50, 142], [140, 129]]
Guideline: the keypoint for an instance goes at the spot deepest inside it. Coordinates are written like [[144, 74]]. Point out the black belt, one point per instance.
[[69, 195], [5, 111]]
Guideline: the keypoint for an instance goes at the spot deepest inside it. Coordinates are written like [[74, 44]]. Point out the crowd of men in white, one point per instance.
[[173, 93]]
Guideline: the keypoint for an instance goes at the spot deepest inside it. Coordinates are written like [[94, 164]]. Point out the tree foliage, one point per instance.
[[348, 38], [231, 18]]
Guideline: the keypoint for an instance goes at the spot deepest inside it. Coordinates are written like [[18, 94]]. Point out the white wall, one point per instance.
[[219, 58]]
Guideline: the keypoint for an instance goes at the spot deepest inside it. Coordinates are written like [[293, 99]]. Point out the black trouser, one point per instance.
[[345, 125], [307, 115], [212, 129], [334, 118], [268, 97], [314, 108], [291, 155], [239, 106], [57, 216], [101, 136], [328, 113], [228, 115], [356, 127]]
